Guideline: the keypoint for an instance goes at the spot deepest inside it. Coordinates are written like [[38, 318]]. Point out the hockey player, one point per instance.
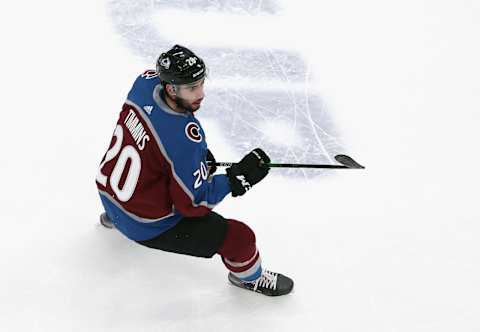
[[156, 180]]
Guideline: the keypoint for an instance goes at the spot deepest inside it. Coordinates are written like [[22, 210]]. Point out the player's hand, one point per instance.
[[211, 165], [248, 172]]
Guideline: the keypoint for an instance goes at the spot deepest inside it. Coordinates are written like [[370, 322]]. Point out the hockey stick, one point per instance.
[[345, 161]]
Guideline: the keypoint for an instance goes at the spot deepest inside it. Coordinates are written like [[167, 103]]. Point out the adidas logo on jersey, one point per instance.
[[148, 109]]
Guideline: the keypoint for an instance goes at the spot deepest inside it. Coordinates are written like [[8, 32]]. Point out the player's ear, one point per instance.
[[171, 89]]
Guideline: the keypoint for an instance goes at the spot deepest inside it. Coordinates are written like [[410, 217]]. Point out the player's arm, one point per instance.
[[193, 191]]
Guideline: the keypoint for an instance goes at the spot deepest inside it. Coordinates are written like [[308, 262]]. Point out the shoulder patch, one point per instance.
[[149, 74], [192, 130]]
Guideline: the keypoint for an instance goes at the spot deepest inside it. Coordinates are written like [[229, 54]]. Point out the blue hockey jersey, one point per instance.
[[155, 170]]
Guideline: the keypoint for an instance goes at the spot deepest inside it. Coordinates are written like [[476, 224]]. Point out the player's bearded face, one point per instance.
[[190, 96], [185, 104]]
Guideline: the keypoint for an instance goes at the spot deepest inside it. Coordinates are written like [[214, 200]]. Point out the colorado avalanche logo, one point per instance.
[[149, 74], [192, 130]]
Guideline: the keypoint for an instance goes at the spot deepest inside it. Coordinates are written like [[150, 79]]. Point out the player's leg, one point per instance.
[[195, 236], [233, 240], [241, 256], [239, 251]]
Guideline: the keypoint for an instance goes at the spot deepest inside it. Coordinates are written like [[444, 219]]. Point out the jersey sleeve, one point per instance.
[[193, 192]]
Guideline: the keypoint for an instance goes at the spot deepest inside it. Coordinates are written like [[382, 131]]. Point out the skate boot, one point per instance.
[[269, 283], [105, 221]]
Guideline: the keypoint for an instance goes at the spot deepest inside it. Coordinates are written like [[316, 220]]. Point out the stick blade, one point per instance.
[[347, 161]]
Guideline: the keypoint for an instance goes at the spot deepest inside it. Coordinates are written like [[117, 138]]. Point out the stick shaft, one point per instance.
[[228, 164], [345, 162]]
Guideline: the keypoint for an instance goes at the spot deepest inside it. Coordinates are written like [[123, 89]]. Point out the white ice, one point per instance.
[[394, 247]]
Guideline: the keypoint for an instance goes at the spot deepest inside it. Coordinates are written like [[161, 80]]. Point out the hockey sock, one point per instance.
[[239, 252], [247, 271]]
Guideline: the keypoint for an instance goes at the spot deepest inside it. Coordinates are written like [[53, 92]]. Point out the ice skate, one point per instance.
[[105, 221], [269, 283]]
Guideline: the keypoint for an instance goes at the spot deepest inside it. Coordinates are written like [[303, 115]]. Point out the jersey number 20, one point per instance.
[[127, 153]]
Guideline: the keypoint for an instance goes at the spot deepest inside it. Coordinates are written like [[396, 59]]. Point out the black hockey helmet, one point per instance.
[[179, 65]]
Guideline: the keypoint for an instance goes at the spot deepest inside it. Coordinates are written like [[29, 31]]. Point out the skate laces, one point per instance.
[[268, 280]]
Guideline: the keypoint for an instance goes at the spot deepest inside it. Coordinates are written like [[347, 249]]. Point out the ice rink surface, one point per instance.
[[395, 85]]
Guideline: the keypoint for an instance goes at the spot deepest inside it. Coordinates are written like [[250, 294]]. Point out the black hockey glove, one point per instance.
[[211, 165], [248, 172]]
